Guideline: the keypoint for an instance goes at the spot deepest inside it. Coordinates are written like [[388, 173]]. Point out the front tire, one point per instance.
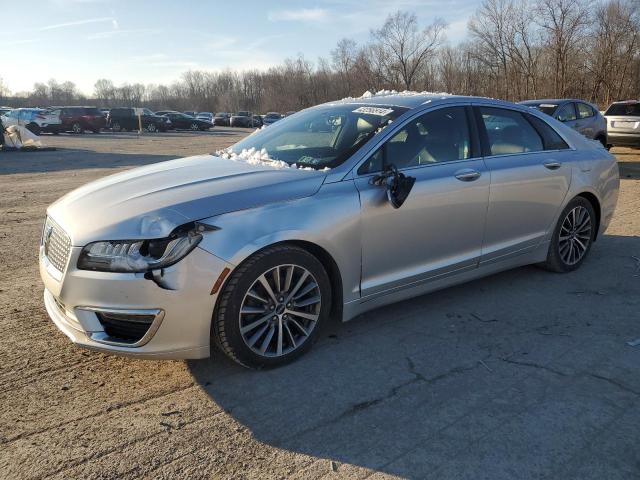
[[272, 307], [572, 237], [115, 127], [194, 127]]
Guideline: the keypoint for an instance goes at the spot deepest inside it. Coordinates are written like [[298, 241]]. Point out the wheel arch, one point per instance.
[[325, 258], [595, 203]]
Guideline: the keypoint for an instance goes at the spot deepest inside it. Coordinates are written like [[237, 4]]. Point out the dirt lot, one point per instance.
[[526, 374]]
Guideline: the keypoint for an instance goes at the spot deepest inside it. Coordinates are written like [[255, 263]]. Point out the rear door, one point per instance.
[[567, 114], [530, 177], [586, 120]]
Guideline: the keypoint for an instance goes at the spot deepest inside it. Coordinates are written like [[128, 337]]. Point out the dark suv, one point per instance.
[[79, 119], [125, 118], [244, 119]]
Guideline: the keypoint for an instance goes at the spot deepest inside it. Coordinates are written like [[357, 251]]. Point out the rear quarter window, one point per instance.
[[551, 139]]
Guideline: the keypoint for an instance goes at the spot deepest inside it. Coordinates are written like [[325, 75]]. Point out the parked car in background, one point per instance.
[[290, 112], [125, 118], [272, 117], [577, 114], [36, 120], [183, 121], [191, 114], [352, 205], [257, 121], [4, 110], [80, 119], [243, 119], [623, 123], [222, 119], [207, 116]]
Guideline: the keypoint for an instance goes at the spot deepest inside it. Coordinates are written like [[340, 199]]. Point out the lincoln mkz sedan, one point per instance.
[[329, 212]]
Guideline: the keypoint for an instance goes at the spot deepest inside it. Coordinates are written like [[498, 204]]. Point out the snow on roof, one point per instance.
[[386, 93]]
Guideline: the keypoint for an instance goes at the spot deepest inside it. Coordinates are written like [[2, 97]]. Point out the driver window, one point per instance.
[[438, 136]]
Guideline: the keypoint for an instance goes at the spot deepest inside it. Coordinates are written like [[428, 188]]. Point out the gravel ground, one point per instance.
[[525, 374]]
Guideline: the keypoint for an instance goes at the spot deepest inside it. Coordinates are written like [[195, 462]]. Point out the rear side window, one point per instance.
[[566, 113], [584, 110], [508, 132], [624, 110], [550, 138]]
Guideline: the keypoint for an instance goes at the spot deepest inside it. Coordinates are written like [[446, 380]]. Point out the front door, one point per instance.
[[439, 228]]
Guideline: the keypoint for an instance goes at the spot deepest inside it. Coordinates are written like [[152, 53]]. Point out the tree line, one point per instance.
[[514, 50]]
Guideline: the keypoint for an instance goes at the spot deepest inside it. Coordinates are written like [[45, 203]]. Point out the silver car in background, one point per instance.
[[583, 117], [623, 123], [332, 211]]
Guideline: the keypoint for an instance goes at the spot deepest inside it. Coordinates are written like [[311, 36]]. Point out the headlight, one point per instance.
[[141, 255]]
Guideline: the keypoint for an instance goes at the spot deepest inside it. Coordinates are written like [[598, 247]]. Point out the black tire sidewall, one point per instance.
[[227, 313], [554, 258]]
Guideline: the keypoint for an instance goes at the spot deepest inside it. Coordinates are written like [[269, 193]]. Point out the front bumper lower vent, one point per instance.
[[128, 328]]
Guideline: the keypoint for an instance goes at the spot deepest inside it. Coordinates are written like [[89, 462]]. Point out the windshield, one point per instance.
[[321, 137], [624, 110]]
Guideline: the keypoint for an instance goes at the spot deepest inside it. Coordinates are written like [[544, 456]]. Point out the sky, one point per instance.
[[156, 41]]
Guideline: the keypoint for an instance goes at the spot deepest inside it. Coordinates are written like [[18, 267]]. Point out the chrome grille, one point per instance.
[[56, 245]]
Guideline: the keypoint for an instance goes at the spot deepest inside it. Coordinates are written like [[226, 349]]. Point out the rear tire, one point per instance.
[[287, 335], [194, 127], [115, 127], [572, 238], [77, 128]]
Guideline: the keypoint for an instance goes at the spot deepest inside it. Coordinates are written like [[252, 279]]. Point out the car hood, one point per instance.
[[150, 201]]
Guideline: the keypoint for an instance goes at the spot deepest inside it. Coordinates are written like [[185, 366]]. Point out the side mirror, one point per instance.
[[398, 185]]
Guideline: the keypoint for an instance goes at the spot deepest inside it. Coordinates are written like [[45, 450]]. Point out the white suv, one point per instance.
[[623, 123], [37, 120]]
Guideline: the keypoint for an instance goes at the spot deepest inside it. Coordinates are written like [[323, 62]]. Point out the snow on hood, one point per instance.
[[261, 158]]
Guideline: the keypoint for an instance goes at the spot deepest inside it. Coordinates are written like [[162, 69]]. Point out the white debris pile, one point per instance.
[[253, 156]]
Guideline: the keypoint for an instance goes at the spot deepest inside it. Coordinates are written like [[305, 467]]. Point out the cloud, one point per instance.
[[122, 33], [86, 21], [299, 15]]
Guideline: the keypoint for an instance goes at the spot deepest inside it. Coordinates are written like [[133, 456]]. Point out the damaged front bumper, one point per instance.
[[128, 314]]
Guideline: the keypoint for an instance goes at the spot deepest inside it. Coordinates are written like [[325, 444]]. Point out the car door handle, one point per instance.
[[552, 165], [467, 175]]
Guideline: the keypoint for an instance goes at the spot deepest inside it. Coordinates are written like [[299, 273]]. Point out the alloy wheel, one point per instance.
[[76, 128], [280, 310], [194, 126], [151, 127], [575, 235]]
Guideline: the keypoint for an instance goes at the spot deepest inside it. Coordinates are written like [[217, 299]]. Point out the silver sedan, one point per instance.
[[330, 212]]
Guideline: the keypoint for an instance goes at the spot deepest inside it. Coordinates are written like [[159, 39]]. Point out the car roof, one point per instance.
[[413, 100]]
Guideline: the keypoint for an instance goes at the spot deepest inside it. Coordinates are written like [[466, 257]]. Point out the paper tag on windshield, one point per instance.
[[374, 111]]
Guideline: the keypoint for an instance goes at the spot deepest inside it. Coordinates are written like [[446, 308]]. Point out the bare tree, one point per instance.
[[403, 48], [566, 23]]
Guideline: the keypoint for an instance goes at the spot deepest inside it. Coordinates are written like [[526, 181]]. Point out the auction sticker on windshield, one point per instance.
[[374, 111]]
